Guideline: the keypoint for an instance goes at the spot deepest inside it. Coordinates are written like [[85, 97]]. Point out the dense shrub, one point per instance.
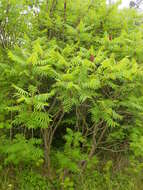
[[71, 98]]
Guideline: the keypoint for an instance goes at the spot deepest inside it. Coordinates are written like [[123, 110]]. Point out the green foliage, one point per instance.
[[69, 159], [71, 98], [21, 150], [32, 181]]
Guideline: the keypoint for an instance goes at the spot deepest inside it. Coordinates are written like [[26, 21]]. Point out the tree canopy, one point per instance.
[[71, 98]]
